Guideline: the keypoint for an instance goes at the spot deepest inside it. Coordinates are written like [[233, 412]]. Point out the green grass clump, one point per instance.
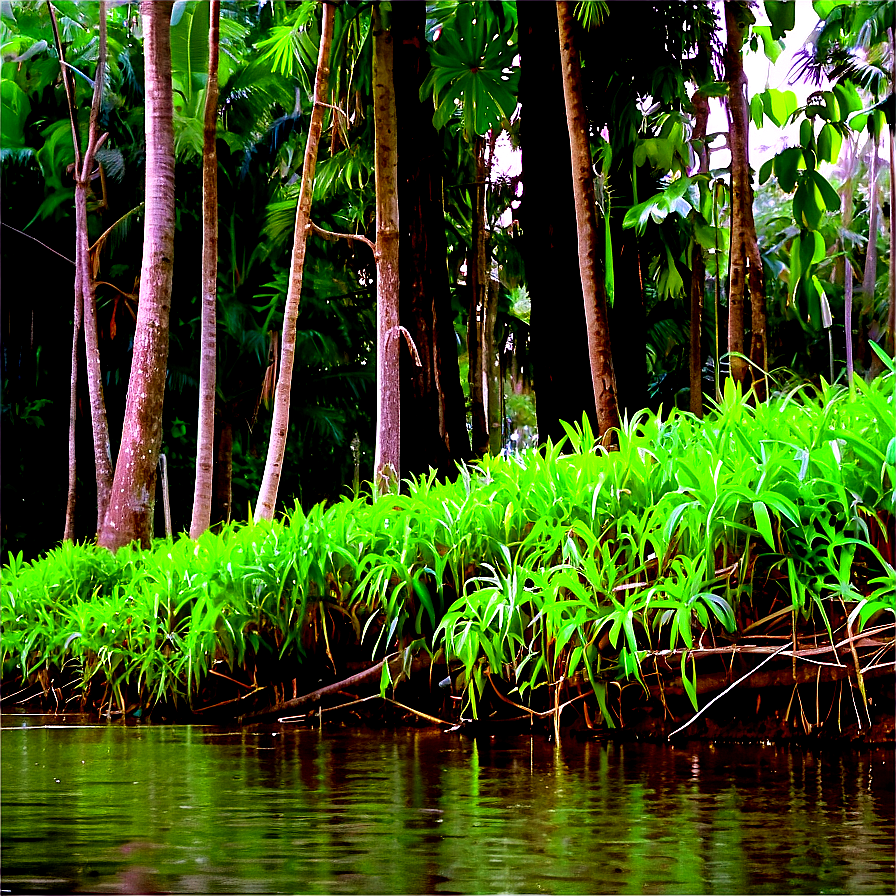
[[531, 570]]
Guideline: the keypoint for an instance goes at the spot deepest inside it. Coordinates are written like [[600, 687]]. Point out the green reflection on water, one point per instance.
[[193, 809]]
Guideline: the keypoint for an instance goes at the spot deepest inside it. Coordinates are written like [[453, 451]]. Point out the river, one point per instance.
[[107, 808]]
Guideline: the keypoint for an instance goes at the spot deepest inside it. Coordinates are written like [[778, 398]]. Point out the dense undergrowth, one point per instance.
[[552, 567]]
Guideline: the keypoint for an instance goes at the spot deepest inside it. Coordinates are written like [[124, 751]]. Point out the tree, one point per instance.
[[130, 513], [599, 352], [85, 292], [267, 495], [547, 213], [387, 461], [433, 420], [745, 274], [205, 443]]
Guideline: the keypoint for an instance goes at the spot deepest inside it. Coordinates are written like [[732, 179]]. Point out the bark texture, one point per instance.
[[559, 341], [746, 276], [130, 514], [599, 352], [387, 459], [698, 267], [433, 419], [205, 441], [267, 494], [477, 279], [85, 300]]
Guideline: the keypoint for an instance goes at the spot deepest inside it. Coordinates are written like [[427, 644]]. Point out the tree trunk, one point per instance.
[[745, 261], [843, 266], [387, 459], [491, 370], [869, 277], [890, 345], [71, 500], [205, 440], [85, 300], [130, 513], [222, 506], [433, 417], [267, 494], [698, 266], [478, 277], [558, 332], [599, 353]]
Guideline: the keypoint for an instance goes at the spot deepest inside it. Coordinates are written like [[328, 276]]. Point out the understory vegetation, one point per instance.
[[540, 579]]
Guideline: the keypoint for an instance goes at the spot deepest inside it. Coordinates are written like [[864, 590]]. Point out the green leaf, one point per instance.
[[786, 167], [808, 205], [763, 523], [829, 142], [848, 98], [828, 194], [770, 46], [765, 172], [812, 249], [782, 15], [756, 110]]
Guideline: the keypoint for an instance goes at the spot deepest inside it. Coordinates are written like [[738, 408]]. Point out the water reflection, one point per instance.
[[174, 809]]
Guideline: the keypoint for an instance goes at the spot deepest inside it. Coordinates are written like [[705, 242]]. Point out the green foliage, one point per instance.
[[529, 570], [471, 69]]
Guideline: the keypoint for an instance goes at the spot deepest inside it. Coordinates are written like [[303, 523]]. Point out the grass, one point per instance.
[[567, 563]]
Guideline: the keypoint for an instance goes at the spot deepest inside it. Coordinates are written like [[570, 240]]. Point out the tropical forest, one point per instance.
[[502, 507], [577, 418]]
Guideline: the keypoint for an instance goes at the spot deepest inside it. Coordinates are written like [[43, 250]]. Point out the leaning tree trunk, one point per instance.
[[745, 262], [602, 377], [130, 514], [85, 300], [698, 265], [387, 459], [547, 212], [270, 483], [205, 440], [433, 417]]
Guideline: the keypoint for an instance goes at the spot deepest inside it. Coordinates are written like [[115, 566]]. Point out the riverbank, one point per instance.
[[587, 591]]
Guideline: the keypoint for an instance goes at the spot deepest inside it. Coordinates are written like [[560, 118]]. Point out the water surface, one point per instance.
[[115, 809]]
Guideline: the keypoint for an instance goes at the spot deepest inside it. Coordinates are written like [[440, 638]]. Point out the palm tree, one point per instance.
[[603, 379], [205, 443], [130, 513], [267, 495]]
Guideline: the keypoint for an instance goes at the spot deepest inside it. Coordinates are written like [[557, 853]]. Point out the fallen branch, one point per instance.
[[729, 688]]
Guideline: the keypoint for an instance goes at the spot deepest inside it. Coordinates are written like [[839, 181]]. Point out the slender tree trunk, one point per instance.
[[478, 277], [869, 277], [491, 369], [745, 261], [71, 500], [891, 315], [205, 441], [267, 494], [602, 377], [130, 513], [847, 192], [387, 458], [558, 334], [698, 267], [433, 417], [85, 301]]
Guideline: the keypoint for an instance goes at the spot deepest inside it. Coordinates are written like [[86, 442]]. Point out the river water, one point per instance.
[[191, 809]]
